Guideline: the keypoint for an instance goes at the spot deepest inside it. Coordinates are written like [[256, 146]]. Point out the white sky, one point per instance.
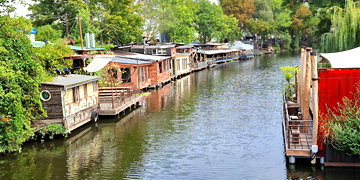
[[22, 10]]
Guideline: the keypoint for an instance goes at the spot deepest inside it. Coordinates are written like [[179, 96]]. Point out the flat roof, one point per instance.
[[185, 47], [144, 57], [218, 51], [78, 48], [129, 61], [72, 80]]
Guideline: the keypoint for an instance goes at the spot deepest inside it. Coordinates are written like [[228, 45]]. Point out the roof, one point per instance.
[[185, 47], [344, 59], [99, 62], [78, 48], [129, 61], [72, 80], [160, 46], [218, 51], [144, 57]]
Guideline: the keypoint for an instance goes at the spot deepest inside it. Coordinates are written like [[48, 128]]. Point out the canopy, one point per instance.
[[344, 59], [99, 62]]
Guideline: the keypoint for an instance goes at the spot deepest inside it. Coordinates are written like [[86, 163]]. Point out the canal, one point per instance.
[[220, 123]]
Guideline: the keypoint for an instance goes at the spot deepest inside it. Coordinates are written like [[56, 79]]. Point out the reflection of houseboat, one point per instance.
[[70, 100]]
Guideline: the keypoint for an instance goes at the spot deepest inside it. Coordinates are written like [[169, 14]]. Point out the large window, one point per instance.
[[76, 94], [159, 52], [125, 75]]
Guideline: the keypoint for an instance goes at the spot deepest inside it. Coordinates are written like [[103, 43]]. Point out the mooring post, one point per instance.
[[315, 105]]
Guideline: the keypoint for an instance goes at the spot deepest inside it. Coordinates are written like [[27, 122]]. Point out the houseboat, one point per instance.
[[214, 57], [339, 77], [69, 100], [159, 70]]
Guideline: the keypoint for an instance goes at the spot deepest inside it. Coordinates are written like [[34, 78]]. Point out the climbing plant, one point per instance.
[[20, 76]]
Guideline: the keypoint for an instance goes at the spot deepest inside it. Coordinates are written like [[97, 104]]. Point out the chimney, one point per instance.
[[87, 40], [93, 44]]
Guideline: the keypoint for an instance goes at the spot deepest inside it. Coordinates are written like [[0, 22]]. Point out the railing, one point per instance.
[[117, 95], [298, 132]]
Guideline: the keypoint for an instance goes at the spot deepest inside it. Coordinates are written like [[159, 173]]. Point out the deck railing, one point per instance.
[[117, 95], [298, 132]]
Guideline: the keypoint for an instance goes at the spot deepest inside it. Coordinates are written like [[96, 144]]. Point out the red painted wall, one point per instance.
[[333, 86]]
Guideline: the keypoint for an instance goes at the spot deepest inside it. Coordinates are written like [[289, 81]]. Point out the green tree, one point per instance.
[[264, 10], [345, 32], [20, 76], [47, 33], [209, 20], [51, 56], [229, 30]]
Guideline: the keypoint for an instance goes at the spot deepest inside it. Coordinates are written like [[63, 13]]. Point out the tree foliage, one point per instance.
[[20, 76], [241, 9], [51, 56], [47, 33], [111, 20], [345, 32]]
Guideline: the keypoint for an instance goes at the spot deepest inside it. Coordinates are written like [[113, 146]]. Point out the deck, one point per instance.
[[297, 132], [117, 99]]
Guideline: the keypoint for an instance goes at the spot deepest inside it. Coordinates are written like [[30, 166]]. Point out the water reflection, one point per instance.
[[220, 123]]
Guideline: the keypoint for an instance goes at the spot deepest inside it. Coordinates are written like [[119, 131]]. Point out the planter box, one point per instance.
[[337, 158]]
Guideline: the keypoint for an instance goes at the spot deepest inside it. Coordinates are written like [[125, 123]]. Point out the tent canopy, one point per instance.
[[98, 62], [344, 59]]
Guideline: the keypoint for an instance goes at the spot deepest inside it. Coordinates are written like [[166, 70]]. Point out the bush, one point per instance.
[[47, 33], [341, 127]]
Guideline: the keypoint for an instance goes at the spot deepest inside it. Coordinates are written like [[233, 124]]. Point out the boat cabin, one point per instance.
[[70, 100]]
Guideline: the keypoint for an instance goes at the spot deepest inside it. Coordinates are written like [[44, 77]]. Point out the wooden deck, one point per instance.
[[297, 132], [117, 99]]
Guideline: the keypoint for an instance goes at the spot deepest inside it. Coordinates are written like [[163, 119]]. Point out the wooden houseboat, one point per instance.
[[120, 88], [69, 100], [184, 55], [214, 57], [159, 70], [339, 77]]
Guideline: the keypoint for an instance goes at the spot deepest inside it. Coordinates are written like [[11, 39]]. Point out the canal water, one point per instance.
[[220, 123]]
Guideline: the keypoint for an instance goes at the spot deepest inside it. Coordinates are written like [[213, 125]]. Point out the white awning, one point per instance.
[[99, 62], [344, 59]]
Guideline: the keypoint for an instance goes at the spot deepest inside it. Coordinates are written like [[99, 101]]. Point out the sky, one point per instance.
[[22, 10]]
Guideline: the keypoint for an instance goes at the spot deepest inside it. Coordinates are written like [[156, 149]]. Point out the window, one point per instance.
[[95, 86], [148, 72], [125, 75], [164, 66], [76, 94], [45, 95], [142, 74], [160, 69], [159, 52], [85, 90]]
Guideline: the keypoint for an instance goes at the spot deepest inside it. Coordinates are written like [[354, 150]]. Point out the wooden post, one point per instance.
[[296, 87], [314, 100], [67, 25], [301, 78], [81, 37], [306, 88]]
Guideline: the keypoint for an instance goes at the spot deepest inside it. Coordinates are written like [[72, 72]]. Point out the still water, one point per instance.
[[220, 123]]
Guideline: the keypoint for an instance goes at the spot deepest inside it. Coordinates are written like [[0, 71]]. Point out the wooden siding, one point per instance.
[[134, 84], [53, 107]]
